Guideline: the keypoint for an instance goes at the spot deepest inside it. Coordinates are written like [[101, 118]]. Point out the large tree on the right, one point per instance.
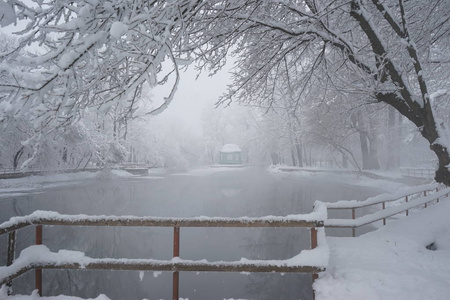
[[394, 51]]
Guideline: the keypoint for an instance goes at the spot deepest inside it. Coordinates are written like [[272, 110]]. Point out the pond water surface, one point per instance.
[[228, 193]]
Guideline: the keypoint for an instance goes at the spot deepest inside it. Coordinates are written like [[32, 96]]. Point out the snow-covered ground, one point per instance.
[[18, 186], [347, 178], [35, 296], [392, 262]]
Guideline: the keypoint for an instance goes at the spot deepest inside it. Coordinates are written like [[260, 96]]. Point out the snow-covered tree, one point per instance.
[[87, 55], [392, 46], [99, 53]]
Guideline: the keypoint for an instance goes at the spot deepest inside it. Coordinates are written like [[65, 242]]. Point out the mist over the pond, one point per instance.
[[222, 192]]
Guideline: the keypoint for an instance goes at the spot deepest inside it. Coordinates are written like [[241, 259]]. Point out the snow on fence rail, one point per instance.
[[314, 219], [39, 256], [346, 204], [385, 212]]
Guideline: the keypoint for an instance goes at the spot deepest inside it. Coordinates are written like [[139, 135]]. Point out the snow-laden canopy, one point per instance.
[[230, 148]]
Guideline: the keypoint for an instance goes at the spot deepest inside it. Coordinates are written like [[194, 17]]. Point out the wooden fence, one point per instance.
[[425, 194], [426, 173], [15, 267]]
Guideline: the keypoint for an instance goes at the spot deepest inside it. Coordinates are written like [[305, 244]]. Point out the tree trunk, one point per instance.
[[344, 161], [399, 140], [64, 155], [373, 144], [404, 99], [364, 151], [430, 132], [17, 157], [305, 154], [298, 147], [293, 156], [392, 150], [275, 158], [373, 154], [423, 118]]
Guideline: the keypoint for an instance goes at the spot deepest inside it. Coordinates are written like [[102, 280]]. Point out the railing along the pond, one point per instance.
[[418, 172], [423, 194], [39, 257]]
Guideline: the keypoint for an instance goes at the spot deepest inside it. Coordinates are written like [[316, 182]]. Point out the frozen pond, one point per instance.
[[233, 193]]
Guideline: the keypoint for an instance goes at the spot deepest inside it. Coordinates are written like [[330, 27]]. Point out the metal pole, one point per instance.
[[384, 219], [314, 245], [176, 253], [353, 217], [10, 255], [38, 273]]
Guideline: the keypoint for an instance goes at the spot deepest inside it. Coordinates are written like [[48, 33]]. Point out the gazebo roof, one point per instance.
[[230, 148]]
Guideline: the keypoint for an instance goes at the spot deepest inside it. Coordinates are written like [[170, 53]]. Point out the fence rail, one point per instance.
[[39, 218], [160, 265], [385, 212], [53, 218], [426, 173]]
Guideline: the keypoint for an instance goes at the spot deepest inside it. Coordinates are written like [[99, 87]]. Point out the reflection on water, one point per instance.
[[241, 192]]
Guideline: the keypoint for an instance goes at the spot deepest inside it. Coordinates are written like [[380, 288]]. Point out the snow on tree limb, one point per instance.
[[90, 54], [84, 54]]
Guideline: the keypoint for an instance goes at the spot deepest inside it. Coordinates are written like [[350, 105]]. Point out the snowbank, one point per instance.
[[387, 184], [39, 182], [392, 263], [35, 295]]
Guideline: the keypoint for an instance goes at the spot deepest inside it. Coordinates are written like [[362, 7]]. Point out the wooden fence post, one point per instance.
[[407, 211], [176, 253], [353, 217], [10, 255], [314, 245], [425, 194], [313, 238], [437, 190], [38, 273]]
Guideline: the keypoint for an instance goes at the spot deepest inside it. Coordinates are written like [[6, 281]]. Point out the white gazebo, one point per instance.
[[230, 154]]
